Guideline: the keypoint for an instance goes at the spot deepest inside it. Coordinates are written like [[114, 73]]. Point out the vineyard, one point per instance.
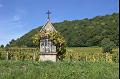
[[92, 54], [19, 53], [73, 53], [79, 63]]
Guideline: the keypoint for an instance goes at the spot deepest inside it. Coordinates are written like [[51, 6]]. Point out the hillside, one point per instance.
[[82, 33]]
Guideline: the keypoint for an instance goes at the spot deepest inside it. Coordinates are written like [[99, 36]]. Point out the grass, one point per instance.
[[74, 69], [59, 70]]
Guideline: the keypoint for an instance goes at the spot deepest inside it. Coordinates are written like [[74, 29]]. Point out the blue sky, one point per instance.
[[17, 17]]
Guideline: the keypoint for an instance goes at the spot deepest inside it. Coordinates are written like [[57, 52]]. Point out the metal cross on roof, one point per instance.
[[48, 15]]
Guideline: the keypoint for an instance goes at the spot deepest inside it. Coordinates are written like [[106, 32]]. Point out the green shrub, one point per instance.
[[107, 45]]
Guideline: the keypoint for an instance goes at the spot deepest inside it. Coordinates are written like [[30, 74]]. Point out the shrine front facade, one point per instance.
[[47, 48]]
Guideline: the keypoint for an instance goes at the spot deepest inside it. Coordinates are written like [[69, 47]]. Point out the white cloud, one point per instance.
[[1, 5], [11, 29], [12, 26], [16, 18], [13, 22]]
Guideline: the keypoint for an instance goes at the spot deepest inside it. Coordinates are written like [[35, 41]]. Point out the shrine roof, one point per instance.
[[48, 27]]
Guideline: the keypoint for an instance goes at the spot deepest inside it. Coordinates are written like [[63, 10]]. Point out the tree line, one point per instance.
[[79, 33]]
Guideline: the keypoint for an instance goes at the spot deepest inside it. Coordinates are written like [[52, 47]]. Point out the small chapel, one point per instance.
[[47, 48]]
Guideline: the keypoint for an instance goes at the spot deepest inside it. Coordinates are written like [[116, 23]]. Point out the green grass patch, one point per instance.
[[59, 70]]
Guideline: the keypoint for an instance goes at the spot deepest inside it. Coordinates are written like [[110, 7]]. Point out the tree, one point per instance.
[[12, 43], [86, 32], [7, 46], [59, 41], [2, 46], [107, 45]]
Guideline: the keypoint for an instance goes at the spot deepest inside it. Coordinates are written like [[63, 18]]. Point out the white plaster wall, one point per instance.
[[48, 58]]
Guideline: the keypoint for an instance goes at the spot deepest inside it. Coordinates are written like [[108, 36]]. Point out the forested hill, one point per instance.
[[82, 33]]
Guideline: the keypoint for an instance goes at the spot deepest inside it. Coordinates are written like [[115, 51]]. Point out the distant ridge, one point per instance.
[[82, 33]]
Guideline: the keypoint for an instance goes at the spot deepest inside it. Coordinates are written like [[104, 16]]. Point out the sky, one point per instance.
[[18, 17]]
